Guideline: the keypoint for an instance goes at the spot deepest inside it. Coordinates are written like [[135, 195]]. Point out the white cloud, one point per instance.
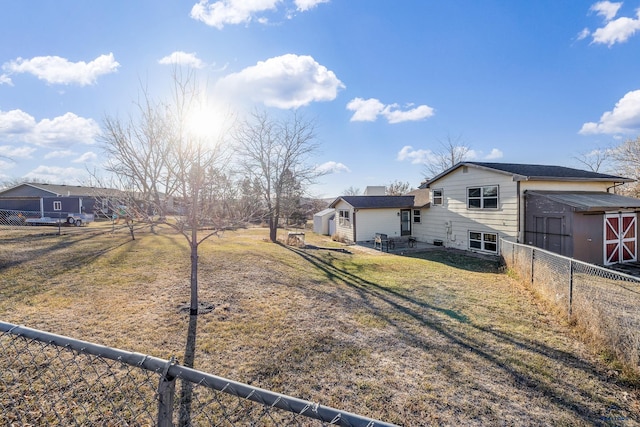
[[59, 154], [15, 122], [5, 80], [61, 131], [608, 10], [304, 5], [624, 118], [16, 152], [415, 156], [583, 34], [182, 58], [368, 110], [332, 167], [494, 154], [89, 156], [287, 81], [57, 70], [615, 30], [222, 12], [4, 166], [57, 174]]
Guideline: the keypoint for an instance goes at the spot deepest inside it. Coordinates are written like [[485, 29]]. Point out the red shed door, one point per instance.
[[620, 243]]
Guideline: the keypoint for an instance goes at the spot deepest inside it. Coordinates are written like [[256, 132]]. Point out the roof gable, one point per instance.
[[530, 172]]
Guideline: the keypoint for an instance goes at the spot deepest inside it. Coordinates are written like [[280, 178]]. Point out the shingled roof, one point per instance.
[[526, 172], [376, 202]]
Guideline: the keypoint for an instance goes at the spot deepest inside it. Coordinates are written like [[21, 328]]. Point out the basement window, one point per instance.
[[485, 242]]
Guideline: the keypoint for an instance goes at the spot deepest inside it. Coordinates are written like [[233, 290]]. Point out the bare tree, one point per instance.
[[596, 160], [626, 157], [169, 168], [452, 151], [273, 154], [397, 188], [352, 191]]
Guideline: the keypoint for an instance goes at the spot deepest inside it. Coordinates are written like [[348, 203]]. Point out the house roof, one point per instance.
[[528, 172], [34, 189], [421, 197], [590, 201], [376, 202]]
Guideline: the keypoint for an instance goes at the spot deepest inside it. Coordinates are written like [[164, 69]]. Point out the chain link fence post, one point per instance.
[[166, 396]]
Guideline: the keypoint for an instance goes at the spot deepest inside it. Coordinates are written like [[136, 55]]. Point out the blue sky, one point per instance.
[[385, 81]]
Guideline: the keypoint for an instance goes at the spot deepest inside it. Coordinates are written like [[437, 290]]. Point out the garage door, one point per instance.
[[620, 243]]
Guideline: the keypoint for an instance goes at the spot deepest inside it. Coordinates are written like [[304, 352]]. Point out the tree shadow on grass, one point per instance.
[[464, 336], [186, 393]]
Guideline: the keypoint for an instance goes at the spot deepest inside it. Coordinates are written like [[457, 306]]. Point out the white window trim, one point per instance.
[[482, 241], [441, 197], [57, 205], [344, 217], [417, 217], [482, 198]]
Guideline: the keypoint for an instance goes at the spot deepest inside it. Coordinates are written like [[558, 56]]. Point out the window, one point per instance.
[[344, 218], [487, 242], [57, 205], [437, 196], [416, 216], [482, 197]]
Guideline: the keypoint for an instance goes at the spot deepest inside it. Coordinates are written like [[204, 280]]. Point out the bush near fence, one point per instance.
[[605, 304], [48, 379]]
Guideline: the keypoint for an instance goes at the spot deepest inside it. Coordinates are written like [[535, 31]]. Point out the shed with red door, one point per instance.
[[591, 226]]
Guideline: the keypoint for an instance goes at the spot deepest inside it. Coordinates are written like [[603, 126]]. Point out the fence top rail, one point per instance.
[[160, 366], [624, 276]]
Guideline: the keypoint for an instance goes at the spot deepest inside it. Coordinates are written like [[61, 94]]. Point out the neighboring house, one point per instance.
[[474, 204], [359, 218], [51, 199]]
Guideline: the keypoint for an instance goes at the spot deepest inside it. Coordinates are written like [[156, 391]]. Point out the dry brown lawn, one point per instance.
[[438, 338]]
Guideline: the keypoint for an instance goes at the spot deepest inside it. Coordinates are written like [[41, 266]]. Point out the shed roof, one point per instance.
[[324, 212], [527, 172], [376, 202], [590, 201]]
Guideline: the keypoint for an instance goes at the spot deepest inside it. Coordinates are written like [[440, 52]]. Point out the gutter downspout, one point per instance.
[[614, 187]]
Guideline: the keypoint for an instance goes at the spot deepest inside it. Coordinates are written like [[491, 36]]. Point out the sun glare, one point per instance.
[[204, 123]]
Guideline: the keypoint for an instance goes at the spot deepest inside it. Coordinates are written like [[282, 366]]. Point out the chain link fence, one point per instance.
[[48, 379], [603, 302]]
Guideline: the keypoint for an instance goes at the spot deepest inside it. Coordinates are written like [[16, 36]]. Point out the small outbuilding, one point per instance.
[[323, 220], [592, 226]]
